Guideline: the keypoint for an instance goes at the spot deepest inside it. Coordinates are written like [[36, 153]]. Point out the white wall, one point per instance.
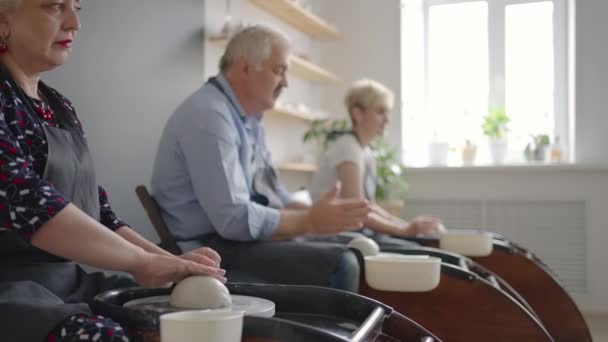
[[370, 48], [591, 78], [132, 64]]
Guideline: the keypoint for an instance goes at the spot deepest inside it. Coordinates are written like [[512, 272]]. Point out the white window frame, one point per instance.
[[563, 63]]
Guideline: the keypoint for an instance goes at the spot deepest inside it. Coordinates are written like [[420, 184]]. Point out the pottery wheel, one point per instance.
[[252, 306]]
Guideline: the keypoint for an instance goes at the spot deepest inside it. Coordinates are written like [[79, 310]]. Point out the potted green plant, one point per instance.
[[320, 133], [322, 130], [495, 127], [390, 183], [536, 149]]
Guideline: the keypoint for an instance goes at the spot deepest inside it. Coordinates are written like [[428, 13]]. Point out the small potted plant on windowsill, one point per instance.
[[495, 127], [469, 151], [536, 149]]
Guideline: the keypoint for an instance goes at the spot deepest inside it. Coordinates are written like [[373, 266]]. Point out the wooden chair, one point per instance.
[[167, 241]]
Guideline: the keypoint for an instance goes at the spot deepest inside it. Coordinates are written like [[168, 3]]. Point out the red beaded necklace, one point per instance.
[[44, 111]]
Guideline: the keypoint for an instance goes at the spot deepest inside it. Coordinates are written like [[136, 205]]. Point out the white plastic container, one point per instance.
[[402, 273], [467, 242], [217, 326]]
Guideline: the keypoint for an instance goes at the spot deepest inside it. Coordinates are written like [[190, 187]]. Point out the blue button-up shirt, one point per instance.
[[204, 168]]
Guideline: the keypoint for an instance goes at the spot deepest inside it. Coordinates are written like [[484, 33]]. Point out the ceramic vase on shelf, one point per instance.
[[556, 153]]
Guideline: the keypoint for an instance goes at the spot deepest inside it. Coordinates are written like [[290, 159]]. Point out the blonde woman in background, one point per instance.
[[349, 160]]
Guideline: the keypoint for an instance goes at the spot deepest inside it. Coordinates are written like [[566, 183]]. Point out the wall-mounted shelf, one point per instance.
[[300, 18], [300, 67], [307, 70], [280, 111], [297, 167], [220, 42]]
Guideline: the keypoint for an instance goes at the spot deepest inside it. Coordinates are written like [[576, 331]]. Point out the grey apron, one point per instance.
[[274, 262], [39, 290]]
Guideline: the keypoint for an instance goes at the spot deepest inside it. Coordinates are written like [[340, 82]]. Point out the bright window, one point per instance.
[[461, 58]]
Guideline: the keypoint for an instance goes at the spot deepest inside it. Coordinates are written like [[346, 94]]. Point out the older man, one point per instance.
[[216, 185]]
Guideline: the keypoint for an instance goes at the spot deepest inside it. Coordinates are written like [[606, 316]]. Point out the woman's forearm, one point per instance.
[[73, 235], [392, 218], [138, 240], [382, 224]]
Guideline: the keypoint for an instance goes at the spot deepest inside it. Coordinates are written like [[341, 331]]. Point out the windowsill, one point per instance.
[[565, 166]]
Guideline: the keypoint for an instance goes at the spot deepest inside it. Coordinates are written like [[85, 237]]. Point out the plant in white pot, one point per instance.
[[495, 127], [536, 149]]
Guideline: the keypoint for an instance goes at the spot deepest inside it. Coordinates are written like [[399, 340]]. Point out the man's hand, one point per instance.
[[330, 215]]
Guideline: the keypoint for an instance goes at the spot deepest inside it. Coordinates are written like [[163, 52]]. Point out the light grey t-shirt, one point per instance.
[[345, 149]]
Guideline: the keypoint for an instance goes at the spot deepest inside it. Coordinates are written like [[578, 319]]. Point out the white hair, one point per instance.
[[254, 43]]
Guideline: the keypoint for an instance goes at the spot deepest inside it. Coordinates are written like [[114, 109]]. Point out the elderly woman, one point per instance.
[[52, 212], [350, 161]]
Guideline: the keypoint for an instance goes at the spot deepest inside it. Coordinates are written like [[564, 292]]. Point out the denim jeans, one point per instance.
[[347, 273]]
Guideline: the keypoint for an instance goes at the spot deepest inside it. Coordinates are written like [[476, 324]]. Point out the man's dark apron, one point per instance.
[[39, 290], [278, 262]]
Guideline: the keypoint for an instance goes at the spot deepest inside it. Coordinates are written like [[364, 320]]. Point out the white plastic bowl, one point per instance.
[[402, 273], [467, 242], [217, 326]]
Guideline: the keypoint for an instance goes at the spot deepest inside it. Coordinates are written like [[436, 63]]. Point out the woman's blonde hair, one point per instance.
[[367, 93]]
